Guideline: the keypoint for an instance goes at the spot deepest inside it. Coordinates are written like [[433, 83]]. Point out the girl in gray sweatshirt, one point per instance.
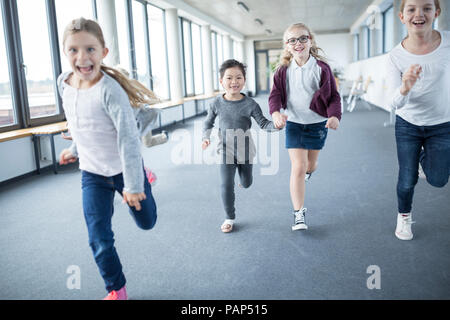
[[236, 145]]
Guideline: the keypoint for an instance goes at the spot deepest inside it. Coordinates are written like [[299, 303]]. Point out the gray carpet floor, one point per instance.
[[351, 215]]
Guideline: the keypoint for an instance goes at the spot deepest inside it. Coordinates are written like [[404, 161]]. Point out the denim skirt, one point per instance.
[[306, 136]]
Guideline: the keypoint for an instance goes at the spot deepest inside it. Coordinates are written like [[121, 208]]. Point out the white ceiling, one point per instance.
[[322, 16]]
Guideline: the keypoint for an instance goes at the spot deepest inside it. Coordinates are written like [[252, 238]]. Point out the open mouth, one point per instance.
[[418, 23], [85, 70]]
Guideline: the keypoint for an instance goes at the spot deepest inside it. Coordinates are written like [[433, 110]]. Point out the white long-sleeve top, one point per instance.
[[106, 129], [428, 102]]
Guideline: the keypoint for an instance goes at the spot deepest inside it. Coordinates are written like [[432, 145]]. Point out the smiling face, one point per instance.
[[233, 81], [300, 51], [418, 15], [85, 54]]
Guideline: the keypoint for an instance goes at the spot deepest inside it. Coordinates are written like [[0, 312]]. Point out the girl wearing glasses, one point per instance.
[[305, 87], [419, 76]]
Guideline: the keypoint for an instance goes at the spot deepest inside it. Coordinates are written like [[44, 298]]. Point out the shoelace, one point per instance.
[[300, 216], [406, 221]]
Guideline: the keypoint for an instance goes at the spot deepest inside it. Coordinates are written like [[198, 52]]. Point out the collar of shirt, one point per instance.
[[307, 65]]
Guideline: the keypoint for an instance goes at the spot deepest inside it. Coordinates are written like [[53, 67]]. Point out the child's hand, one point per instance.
[[66, 157], [279, 119], [332, 123], [205, 144], [66, 137], [133, 199], [409, 78]]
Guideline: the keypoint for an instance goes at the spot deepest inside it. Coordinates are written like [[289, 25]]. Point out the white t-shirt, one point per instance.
[[428, 102], [301, 84]]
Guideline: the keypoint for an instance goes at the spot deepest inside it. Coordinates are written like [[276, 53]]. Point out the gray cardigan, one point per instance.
[[117, 105]]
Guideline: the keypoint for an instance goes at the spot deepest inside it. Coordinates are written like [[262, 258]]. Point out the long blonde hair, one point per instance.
[[286, 56], [138, 94]]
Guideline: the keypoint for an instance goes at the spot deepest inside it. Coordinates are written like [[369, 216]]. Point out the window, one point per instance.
[[158, 52], [368, 41], [220, 58], [37, 59], [122, 35], [140, 40], [7, 112], [214, 60], [197, 58], [388, 29], [356, 47], [66, 11], [187, 55]]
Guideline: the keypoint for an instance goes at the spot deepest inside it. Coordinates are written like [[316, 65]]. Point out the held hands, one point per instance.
[[409, 78], [133, 199], [332, 123], [205, 144], [279, 119], [66, 157]]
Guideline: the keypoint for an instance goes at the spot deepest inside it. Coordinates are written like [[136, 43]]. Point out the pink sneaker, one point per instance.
[[120, 294], [151, 176]]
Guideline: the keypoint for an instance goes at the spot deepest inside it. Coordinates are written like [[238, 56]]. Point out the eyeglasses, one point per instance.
[[302, 39]]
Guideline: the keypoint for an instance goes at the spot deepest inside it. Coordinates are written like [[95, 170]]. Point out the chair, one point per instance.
[[357, 91]]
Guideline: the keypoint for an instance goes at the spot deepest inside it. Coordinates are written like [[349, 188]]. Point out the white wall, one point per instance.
[[21, 160], [338, 48], [373, 67]]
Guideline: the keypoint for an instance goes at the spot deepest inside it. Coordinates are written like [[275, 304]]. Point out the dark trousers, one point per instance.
[[227, 173], [434, 159], [98, 198]]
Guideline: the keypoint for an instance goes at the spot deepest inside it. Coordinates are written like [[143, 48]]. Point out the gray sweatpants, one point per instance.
[[227, 173]]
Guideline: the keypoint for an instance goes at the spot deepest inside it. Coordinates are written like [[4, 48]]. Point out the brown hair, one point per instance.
[[138, 94], [436, 4], [286, 56]]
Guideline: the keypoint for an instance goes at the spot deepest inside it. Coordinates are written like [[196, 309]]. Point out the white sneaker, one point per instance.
[[403, 230], [299, 221]]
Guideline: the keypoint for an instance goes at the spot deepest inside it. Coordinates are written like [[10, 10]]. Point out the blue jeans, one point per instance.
[[435, 157], [98, 198]]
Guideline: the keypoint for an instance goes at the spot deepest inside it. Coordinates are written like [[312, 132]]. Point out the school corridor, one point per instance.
[[351, 216]]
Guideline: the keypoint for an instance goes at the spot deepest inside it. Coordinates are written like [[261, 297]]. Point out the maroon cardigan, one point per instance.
[[326, 101]]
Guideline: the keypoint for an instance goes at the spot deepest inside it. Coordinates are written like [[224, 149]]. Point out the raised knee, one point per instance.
[[437, 182], [148, 224]]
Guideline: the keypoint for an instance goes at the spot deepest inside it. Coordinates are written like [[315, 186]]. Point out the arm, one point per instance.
[[275, 97], [118, 107], [394, 84], [208, 124], [261, 120]]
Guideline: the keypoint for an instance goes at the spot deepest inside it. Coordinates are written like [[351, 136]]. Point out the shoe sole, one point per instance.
[[300, 227], [403, 238]]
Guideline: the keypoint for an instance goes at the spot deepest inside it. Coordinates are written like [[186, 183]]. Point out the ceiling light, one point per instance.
[[268, 32], [243, 7], [258, 22]]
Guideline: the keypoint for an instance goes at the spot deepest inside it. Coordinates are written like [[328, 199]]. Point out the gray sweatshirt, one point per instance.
[[234, 126]]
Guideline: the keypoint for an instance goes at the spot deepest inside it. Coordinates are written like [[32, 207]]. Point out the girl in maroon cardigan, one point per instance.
[[305, 87]]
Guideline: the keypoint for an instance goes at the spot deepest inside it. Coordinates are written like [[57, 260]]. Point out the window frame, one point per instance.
[[16, 66], [391, 7]]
